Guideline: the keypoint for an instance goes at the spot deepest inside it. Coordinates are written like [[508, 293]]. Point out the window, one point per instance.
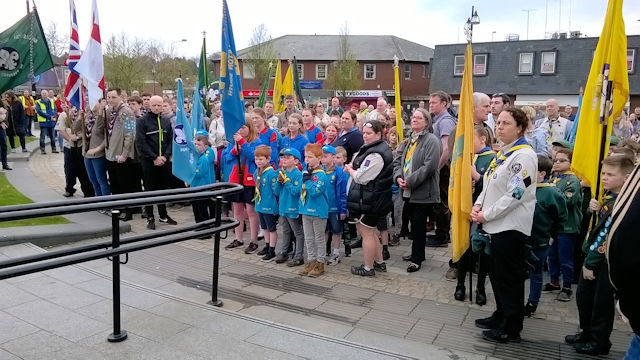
[[525, 64], [631, 60], [300, 71], [407, 71], [480, 64], [248, 71], [369, 72], [424, 71], [321, 71], [548, 62], [458, 65]]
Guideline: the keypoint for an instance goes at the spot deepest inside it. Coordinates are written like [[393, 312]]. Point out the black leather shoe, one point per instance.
[[406, 257], [6, 167], [591, 348], [530, 309], [481, 297], [578, 338], [500, 336], [487, 323], [460, 293]]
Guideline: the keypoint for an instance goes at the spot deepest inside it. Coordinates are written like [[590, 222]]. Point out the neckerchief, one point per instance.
[[484, 151], [550, 128], [561, 176], [257, 198], [303, 193], [409, 155], [500, 158], [544, 183], [89, 122], [607, 202], [112, 120]]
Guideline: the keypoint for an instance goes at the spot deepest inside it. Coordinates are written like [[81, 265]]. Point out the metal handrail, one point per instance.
[[116, 247]]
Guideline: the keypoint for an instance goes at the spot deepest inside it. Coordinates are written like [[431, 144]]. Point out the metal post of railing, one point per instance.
[[118, 334], [216, 254]]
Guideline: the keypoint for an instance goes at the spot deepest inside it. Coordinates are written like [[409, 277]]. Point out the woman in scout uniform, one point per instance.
[[505, 209]]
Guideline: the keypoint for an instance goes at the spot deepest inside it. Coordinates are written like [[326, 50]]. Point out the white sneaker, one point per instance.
[[334, 259]]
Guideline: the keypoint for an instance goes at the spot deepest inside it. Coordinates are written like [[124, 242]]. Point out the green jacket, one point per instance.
[[482, 162], [595, 244], [569, 186], [550, 214]]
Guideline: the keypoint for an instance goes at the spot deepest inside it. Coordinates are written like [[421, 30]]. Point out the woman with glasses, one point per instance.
[[416, 171], [505, 210], [369, 194]]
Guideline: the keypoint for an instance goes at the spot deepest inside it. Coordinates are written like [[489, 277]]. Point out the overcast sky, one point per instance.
[[427, 22]]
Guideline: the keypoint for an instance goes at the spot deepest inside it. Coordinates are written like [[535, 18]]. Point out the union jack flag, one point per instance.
[[73, 90]]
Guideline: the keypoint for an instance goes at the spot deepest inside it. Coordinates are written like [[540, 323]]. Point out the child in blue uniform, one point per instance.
[[204, 175], [337, 200], [266, 203]]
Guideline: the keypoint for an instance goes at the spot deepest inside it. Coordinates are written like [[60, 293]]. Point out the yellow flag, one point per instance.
[[398, 106], [278, 101], [605, 96], [287, 85], [460, 188]]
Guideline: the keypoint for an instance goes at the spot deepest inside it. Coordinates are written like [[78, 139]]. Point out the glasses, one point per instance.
[[369, 125], [560, 160]]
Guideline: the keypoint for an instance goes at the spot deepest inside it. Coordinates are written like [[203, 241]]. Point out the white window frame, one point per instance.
[[521, 63], [372, 70], [248, 71], [545, 63], [424, 71], [631, 61], [326, 68], [458, 65], [406, 70], [475, 64], [300, 71]]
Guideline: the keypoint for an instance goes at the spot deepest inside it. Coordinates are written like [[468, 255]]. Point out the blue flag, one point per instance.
[[185, 155], [230, 82], [197, 111], [574, 128]]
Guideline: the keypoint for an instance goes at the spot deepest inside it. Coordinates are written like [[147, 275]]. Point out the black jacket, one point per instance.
[[375, 197], [149, 136]]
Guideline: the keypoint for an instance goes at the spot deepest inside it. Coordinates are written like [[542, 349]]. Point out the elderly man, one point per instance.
[[381, 108], [154, 135], [555, 127], [46, 111], [335, 105]]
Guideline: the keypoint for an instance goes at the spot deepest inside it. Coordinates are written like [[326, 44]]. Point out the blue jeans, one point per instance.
[[633, 352], [28, 121], [97, 172], [44, 132], [535, 277], [561, 259]]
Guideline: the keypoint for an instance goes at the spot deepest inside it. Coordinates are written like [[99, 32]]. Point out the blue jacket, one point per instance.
[[298, 143], [266, 201], [269, 137], [289, 193], [314, 135], [46, 113], [205, 174], [246, 159], [313, 200], [337, 191]]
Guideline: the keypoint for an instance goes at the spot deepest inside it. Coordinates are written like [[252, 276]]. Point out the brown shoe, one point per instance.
[[451, 274], [307, 268], [317, 270]]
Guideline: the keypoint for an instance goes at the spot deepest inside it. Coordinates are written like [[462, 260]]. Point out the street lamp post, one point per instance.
[[473, 20], [175, 42]]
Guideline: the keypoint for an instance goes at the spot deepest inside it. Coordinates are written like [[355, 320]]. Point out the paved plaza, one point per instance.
[[268, 309]]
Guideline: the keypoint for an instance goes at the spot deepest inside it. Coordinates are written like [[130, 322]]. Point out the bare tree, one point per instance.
[[344, 73], [124, 66], [261, 52], [58, 43]]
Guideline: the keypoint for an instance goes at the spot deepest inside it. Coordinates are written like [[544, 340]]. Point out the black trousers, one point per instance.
[[203, 210], [441, 213], [156, 178], [124, 178], [74, 169], [419, 215], [506, 274], [596, 305]]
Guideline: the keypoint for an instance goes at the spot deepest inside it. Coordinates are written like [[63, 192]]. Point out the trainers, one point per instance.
[[360, 270], [55, 151], [432, 242], [268, 257], [67, 194], [530, 309], [385, 253], [43, 152], [151, 224], [382, 267], [264, 251], [234, 244], [550, 287], [334, 259], [168, 220], [295, 262], [251, 248], [395, 240], [451, 274], [25, 150], [564, 295], [282, 258]]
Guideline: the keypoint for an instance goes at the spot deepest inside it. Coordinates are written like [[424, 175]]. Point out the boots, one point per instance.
[[307, 268], [460, 293], [317, 270]]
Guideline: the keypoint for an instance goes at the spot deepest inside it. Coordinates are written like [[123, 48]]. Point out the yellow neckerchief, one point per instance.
[[483, 153], [160, 137], [556, 179], [257, 198], [544, 184], [409, 154], [500, 157], [303, 193]]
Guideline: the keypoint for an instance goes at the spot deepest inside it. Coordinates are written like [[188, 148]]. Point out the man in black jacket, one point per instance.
[[154, 135]]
